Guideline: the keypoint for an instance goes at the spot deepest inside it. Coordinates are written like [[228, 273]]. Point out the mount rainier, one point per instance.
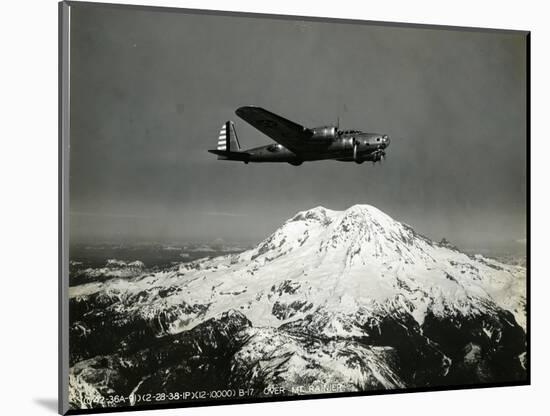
[[350, 298]]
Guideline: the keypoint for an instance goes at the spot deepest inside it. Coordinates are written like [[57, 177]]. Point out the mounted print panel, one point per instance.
[[262, 208]]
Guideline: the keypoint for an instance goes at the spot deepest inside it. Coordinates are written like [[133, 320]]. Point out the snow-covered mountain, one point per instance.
[[348, 298]]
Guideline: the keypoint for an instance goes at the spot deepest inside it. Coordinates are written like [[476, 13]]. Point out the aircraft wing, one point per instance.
[[291, 135]]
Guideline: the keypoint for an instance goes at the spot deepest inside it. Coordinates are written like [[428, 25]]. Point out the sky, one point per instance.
[[150, 90]]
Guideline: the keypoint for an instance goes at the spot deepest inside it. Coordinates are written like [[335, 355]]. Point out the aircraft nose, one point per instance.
[[386, 140]]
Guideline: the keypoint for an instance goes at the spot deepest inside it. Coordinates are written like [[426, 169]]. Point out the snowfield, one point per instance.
[[346, 298]]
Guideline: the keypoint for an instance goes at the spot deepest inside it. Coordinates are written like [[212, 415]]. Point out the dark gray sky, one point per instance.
[[150, 90]]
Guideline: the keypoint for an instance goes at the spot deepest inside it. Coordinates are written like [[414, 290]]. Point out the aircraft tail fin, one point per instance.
[[228, 144], [227, 139]]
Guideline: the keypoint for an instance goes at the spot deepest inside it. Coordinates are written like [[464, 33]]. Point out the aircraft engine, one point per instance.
[[356, 156], [326, 133], [378, 156]]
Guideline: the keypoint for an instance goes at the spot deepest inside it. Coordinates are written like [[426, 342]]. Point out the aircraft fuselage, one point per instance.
[[368, 147]]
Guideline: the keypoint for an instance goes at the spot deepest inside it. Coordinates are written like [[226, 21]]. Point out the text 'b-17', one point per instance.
[[296, 143]]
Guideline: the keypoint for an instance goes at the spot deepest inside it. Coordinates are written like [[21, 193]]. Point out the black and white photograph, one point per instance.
[[266, 208]]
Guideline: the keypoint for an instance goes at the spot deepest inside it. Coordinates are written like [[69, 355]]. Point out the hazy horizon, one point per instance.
[[150, 90]]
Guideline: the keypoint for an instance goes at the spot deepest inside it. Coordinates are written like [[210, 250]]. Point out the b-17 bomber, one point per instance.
[[296, 144]]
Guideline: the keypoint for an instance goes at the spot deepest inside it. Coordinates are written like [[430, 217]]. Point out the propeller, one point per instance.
[[379, 156]]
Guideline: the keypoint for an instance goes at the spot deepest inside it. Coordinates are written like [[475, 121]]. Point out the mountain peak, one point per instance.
[[322, 214], [368, 213], [319, 213], [363, 208]]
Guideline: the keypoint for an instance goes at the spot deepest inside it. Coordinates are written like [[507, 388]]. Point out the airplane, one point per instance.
[[296, 144]]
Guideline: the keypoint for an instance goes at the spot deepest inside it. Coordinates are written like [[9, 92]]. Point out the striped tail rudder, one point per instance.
[[222, 137], [227, 139]]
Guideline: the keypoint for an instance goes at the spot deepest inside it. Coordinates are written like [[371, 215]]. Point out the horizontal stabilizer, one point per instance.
[[228, 155]]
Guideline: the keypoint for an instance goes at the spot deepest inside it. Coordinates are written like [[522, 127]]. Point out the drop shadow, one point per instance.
[[49, 403]]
